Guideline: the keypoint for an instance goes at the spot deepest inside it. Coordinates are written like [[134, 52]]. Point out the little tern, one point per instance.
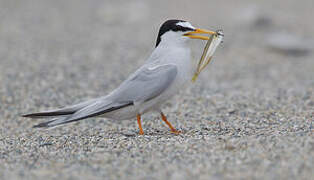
[[163, 74]]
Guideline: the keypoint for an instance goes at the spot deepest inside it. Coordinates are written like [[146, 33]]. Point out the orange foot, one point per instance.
[[174, 131]]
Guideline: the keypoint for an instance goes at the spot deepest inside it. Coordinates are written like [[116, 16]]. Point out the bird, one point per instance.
[[167, 70]]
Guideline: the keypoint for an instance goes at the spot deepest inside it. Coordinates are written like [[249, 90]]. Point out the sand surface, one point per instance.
[[249, 115]]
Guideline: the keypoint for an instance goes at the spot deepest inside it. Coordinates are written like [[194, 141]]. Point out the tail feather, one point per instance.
[[51, 123], [48, 114], [89, 111], [60, 112], [77, 112]]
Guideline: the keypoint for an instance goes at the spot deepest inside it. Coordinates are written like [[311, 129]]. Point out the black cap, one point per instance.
[[171, 25]]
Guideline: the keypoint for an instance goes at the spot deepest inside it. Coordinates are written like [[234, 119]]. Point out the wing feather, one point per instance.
[[146, 84]]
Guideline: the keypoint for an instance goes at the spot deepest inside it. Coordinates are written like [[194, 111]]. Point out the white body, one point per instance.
[[169, 51]]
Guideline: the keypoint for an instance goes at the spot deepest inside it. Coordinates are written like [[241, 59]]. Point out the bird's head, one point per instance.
[[176, 32]]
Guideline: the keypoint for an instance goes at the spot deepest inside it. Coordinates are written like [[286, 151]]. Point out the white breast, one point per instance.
[[179, 56]]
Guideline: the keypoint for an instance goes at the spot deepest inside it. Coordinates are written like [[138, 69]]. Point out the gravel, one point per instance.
[[248, 116]]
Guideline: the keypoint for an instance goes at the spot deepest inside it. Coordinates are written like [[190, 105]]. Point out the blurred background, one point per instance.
[[254, 102]]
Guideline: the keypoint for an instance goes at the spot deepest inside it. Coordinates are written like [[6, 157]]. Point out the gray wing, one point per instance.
[[143, 85]]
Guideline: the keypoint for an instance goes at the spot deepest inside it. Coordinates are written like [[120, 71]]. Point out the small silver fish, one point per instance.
[[209, 50]]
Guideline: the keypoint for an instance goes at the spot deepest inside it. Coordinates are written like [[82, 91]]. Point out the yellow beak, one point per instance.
[[199, 31]]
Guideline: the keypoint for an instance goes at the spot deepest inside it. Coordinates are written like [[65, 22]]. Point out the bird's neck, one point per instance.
[[171, 54], [177, 55], [176, 43]]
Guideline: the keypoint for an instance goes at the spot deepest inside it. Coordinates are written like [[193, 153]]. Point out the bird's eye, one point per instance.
[[184, 29]]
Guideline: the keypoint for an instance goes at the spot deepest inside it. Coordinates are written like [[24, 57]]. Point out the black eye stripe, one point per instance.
[[171, 25], [181, 28]]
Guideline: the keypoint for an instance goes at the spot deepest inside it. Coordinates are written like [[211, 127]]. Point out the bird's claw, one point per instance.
[[174, 131]]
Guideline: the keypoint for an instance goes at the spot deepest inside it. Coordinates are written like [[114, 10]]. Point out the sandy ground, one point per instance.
[[249, 116]]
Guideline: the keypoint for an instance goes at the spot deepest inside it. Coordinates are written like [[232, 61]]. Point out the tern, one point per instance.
[[164, 73]]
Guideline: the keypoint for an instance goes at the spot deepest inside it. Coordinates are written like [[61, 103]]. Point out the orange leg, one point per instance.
[[164, 118], [139, 124]]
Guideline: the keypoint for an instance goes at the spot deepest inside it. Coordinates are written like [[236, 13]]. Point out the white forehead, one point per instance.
[[185, 24]]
